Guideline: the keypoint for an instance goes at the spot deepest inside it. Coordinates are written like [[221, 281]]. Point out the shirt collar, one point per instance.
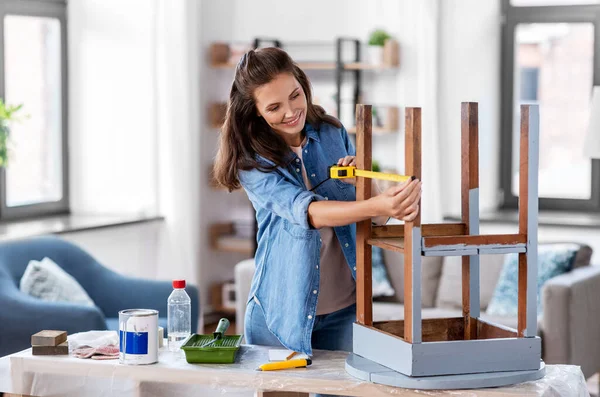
[[311, 132]]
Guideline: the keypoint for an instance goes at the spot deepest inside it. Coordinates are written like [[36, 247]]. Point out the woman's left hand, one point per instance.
[[345, 162]]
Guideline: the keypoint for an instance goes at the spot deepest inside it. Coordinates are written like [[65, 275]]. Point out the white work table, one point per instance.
[[173, 376]]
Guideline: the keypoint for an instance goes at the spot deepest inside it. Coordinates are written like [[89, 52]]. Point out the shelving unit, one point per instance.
[[222, 238], [321, 66], [221, 54]]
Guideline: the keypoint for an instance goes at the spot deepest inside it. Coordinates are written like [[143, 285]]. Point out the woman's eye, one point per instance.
[[274, 109], [296, 95]]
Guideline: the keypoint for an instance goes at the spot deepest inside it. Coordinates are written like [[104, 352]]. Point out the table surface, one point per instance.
[[67, 375]]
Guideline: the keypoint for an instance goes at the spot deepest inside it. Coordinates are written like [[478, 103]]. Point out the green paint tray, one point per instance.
[[222, 351]]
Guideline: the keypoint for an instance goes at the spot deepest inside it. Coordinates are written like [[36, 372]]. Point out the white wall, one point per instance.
[[112, 128], [130, 249], [469, 71]]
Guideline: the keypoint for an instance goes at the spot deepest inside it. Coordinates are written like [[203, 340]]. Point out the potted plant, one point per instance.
[[8, 114], [375, 49]]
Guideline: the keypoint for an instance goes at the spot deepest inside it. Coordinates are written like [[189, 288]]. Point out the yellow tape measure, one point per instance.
[[339, 172]]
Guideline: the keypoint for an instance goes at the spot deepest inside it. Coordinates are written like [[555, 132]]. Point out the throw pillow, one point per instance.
[[553, 260], [47, 281], [381, 281]]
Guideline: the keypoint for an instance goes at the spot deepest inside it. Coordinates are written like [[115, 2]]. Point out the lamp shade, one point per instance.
[[591, 147]]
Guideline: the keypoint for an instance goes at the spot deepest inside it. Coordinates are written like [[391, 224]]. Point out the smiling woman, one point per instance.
[[268, 88], [277, 145], [288, 113]]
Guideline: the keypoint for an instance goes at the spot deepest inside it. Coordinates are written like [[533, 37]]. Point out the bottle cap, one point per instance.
[[178, 283]]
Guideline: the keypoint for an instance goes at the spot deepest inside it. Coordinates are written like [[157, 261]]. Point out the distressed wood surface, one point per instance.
[[47, 350], [433, 329], [469, 183], [476, 356], [392, 244], [48, 338], [453, 252], [528, 212], [502, 250], [489, 330], [364, 288], [427, 230], [523, 213], [473, 241], [412, 158]]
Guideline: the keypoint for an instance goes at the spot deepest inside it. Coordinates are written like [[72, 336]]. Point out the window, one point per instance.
[[33, 74], [551, 52]]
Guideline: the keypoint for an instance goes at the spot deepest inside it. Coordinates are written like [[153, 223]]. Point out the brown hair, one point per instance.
[[244, 134]]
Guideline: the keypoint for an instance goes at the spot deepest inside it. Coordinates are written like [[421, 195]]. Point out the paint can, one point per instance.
[[138, 336]]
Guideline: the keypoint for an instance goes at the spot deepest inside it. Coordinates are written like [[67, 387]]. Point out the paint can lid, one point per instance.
[[178, 283]]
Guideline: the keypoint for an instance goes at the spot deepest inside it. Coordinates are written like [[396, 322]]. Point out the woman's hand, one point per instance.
[[401, 201], [345, 162]]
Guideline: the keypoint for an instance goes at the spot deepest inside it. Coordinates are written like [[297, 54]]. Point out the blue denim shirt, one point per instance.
[[288, 253]]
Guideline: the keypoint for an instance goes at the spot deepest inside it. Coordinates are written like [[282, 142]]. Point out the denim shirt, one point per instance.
[[288, 252]]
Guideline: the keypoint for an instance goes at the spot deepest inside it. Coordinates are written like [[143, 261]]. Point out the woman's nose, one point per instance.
[[289, 112]]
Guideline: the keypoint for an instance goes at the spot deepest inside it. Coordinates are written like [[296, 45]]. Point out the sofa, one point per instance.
[[569, 326], [22, 315]]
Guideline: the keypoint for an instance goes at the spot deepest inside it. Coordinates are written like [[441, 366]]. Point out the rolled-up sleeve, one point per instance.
[[273, 192]]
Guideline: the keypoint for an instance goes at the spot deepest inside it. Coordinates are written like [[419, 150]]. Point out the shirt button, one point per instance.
[[297, 160], [312, 175], [315, 291], [317, 266], [354, 268], [346, 245], [306, 151], [326, 198], [320, 240], [309, 317], [297, 169]]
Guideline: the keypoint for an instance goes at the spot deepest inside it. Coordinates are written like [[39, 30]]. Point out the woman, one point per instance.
[[277, 145]]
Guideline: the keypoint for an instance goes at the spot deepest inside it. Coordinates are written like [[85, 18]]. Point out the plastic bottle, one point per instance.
[[179, 313]]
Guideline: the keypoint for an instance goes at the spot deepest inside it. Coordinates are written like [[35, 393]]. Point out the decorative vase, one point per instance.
[[375, 55]]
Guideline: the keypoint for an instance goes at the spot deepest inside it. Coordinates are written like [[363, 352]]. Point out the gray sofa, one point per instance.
[[570, 326]]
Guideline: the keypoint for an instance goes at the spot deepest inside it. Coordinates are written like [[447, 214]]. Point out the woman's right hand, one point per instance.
[[400, 201]]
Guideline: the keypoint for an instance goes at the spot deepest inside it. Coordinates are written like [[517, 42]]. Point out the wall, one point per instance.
[[469, 71], [112, 105]]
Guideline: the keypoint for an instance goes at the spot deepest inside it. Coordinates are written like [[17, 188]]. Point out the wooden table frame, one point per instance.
[[417, 347]]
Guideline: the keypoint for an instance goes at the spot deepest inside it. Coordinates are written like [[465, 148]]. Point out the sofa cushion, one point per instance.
[[449, 294], [430, 276], [47, 281], [553, 260]]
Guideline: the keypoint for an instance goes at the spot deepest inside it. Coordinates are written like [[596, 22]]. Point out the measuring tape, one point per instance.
[[339, 172]]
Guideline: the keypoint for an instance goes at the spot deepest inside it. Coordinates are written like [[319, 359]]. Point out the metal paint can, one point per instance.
[[138, 336]]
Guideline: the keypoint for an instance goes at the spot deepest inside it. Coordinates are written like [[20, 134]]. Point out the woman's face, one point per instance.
[[282, 103]]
